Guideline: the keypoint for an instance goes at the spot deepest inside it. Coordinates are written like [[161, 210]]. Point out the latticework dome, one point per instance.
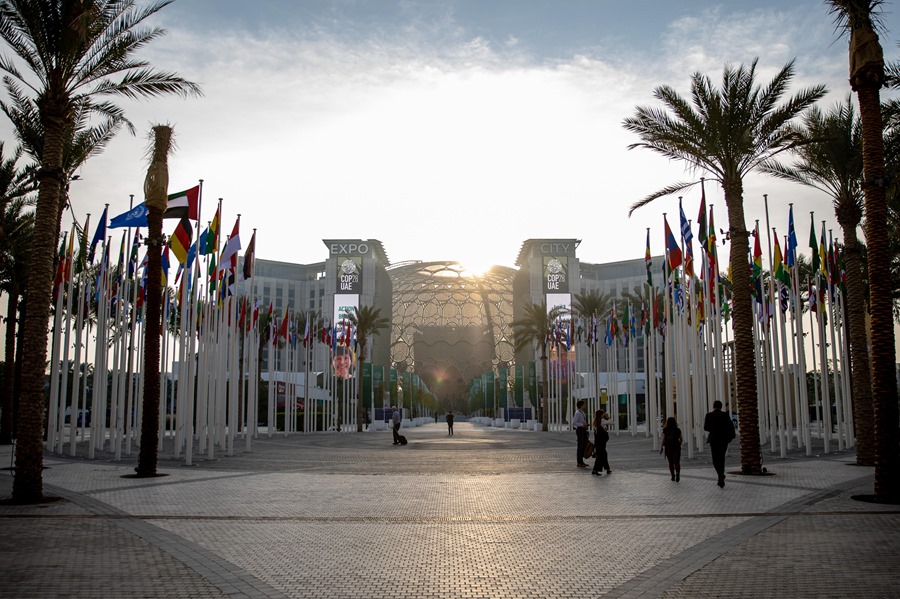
[[450, 325]]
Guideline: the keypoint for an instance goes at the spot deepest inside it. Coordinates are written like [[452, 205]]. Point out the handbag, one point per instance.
[[589, 450]]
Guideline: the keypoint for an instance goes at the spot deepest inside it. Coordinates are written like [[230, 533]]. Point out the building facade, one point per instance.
[[448, 325]]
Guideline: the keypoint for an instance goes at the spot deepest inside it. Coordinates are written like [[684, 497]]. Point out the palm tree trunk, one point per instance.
[[28, 482], [9, 366], [147, 459], [156, 185], [744, 351], [861, 380], [884, 383]]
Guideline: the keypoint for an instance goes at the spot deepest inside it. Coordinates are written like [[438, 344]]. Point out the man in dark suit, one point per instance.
[[721, 433]]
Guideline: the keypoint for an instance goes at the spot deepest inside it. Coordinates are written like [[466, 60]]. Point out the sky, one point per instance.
[[454, 130]]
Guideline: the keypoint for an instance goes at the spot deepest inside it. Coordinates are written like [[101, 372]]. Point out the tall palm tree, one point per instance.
[[16, 227], [536, 326], [833, 164], [156, 189], [80, 53], [728, 132], [368, 323], [867, 76]]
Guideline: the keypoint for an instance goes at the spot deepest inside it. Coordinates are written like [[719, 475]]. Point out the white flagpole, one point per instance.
[[64, 391], [823, 379], [54, 410]]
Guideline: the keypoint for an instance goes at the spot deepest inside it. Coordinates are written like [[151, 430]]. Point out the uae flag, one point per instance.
[[184, 204]]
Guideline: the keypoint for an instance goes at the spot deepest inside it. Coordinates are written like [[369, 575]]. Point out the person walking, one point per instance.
[[579, 422], [395, 421], [721, 433], [671, 445], [450, 423], [601, 438]]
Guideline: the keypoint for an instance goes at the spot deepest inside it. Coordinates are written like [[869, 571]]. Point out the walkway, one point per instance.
[[486, 513]]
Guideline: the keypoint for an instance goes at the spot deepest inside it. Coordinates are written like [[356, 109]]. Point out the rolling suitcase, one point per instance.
[[403, 440]]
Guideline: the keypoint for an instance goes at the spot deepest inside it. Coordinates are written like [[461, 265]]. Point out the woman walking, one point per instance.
[[671, 444], [601, 437]]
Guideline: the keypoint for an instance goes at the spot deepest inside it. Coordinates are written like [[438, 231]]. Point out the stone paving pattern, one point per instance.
[[487, 513]]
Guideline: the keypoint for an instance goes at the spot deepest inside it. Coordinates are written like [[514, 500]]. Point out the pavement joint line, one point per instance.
[[214, 569], [169, 482], [667, 574], [451, 519]]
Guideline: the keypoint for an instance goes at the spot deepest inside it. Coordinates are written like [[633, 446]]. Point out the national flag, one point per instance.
[[711, 245], [99, 235], [812, 296], [673, 252], [180, 241], [81, 262], [689, 262], [790, 252], [813, 245], [613, 323], [209, 241], [243, 315], [823, 254], [756, 270], [60, 276], [284, 324], [164, 266], [249, 256], [686, 233], [228, 259], [133, 258], [781, 273], [625, 324], [702, 235], [648, 263], [184, 204]]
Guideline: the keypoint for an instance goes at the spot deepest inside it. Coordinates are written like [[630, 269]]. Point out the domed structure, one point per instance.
[[451, 325]]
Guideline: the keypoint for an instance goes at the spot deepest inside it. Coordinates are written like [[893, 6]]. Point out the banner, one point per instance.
[[519, 386], [556, 274], [489, 392], [349, 275], [503, 387], [533, 396], [378, 385], [367, 385], [407, 388], [392, 380]]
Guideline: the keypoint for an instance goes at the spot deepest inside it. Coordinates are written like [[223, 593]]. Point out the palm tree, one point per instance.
[[15, 239], [867, 76], [368, 322], [536, 326], [729, 132], [156, 189], [79, 53], [833, 164]]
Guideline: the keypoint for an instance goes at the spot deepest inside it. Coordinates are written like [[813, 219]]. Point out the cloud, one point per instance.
[[426, 134]]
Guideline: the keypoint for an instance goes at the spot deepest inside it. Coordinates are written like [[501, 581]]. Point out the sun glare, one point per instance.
[[476, 268]]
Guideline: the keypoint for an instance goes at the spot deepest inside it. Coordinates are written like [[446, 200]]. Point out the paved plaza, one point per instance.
[[487, 513]]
